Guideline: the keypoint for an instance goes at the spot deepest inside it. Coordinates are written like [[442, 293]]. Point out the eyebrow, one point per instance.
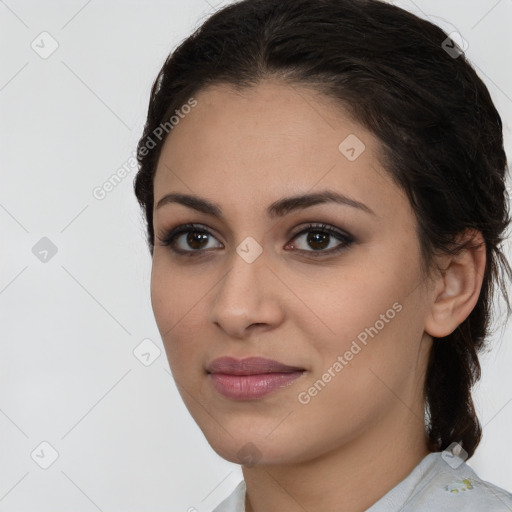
[[278, 208]]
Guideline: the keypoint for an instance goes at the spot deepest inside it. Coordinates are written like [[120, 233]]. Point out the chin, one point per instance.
[[251, 451]]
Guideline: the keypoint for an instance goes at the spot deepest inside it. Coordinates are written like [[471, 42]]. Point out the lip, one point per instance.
[[250, 378], [249, 366]]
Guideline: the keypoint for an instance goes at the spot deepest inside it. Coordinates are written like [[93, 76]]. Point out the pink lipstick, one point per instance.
[[250, 378]]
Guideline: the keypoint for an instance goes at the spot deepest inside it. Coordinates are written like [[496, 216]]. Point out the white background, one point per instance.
[[68, 375]]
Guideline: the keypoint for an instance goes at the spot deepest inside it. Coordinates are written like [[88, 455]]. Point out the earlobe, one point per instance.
[[457, 287]]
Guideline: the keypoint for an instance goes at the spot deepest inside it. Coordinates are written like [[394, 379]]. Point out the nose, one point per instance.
[[247, 298]]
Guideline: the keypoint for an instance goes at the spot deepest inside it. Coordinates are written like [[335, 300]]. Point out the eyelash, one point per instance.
[[169, 239]]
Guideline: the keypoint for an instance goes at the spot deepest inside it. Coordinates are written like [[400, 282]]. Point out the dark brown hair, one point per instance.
[[401, 78]]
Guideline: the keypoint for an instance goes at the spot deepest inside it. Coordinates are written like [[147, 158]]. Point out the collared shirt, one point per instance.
[[439, 483]]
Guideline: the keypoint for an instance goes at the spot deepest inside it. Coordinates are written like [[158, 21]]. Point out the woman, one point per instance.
[[324, 190]]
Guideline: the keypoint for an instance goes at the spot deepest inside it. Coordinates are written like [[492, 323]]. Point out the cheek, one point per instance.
[[358, 377], [347, 305], [179, 300], [367, 325], [169, 304], [363, 332], [174, 292], [164, 299]]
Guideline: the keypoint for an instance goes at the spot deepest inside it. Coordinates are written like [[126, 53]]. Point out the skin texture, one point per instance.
[[363, 432]]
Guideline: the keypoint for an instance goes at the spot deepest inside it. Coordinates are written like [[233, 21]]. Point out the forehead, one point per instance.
[[268, 140], [260, 119]]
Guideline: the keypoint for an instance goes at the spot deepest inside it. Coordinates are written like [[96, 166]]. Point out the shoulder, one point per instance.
[[448, 484], [438, 483]]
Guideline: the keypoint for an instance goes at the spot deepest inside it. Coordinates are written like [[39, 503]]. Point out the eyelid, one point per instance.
[[342, 236], [320, 226], [170, 236]]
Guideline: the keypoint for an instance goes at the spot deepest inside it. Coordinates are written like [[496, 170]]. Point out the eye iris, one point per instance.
[[315, 237], [194, 237]]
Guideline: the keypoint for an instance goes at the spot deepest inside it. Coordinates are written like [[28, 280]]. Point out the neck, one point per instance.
[[351, 477]]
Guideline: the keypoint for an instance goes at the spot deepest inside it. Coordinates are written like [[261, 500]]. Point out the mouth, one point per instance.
[[250, 378]]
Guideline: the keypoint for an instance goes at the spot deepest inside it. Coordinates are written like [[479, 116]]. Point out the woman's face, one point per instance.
[[344, 308]]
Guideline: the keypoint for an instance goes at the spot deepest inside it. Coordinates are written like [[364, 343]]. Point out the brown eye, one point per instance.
[[320, 238], [196, 239], [187, 238], [193, 240]]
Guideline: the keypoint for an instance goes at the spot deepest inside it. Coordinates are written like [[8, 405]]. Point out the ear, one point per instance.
[[457, 287]]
